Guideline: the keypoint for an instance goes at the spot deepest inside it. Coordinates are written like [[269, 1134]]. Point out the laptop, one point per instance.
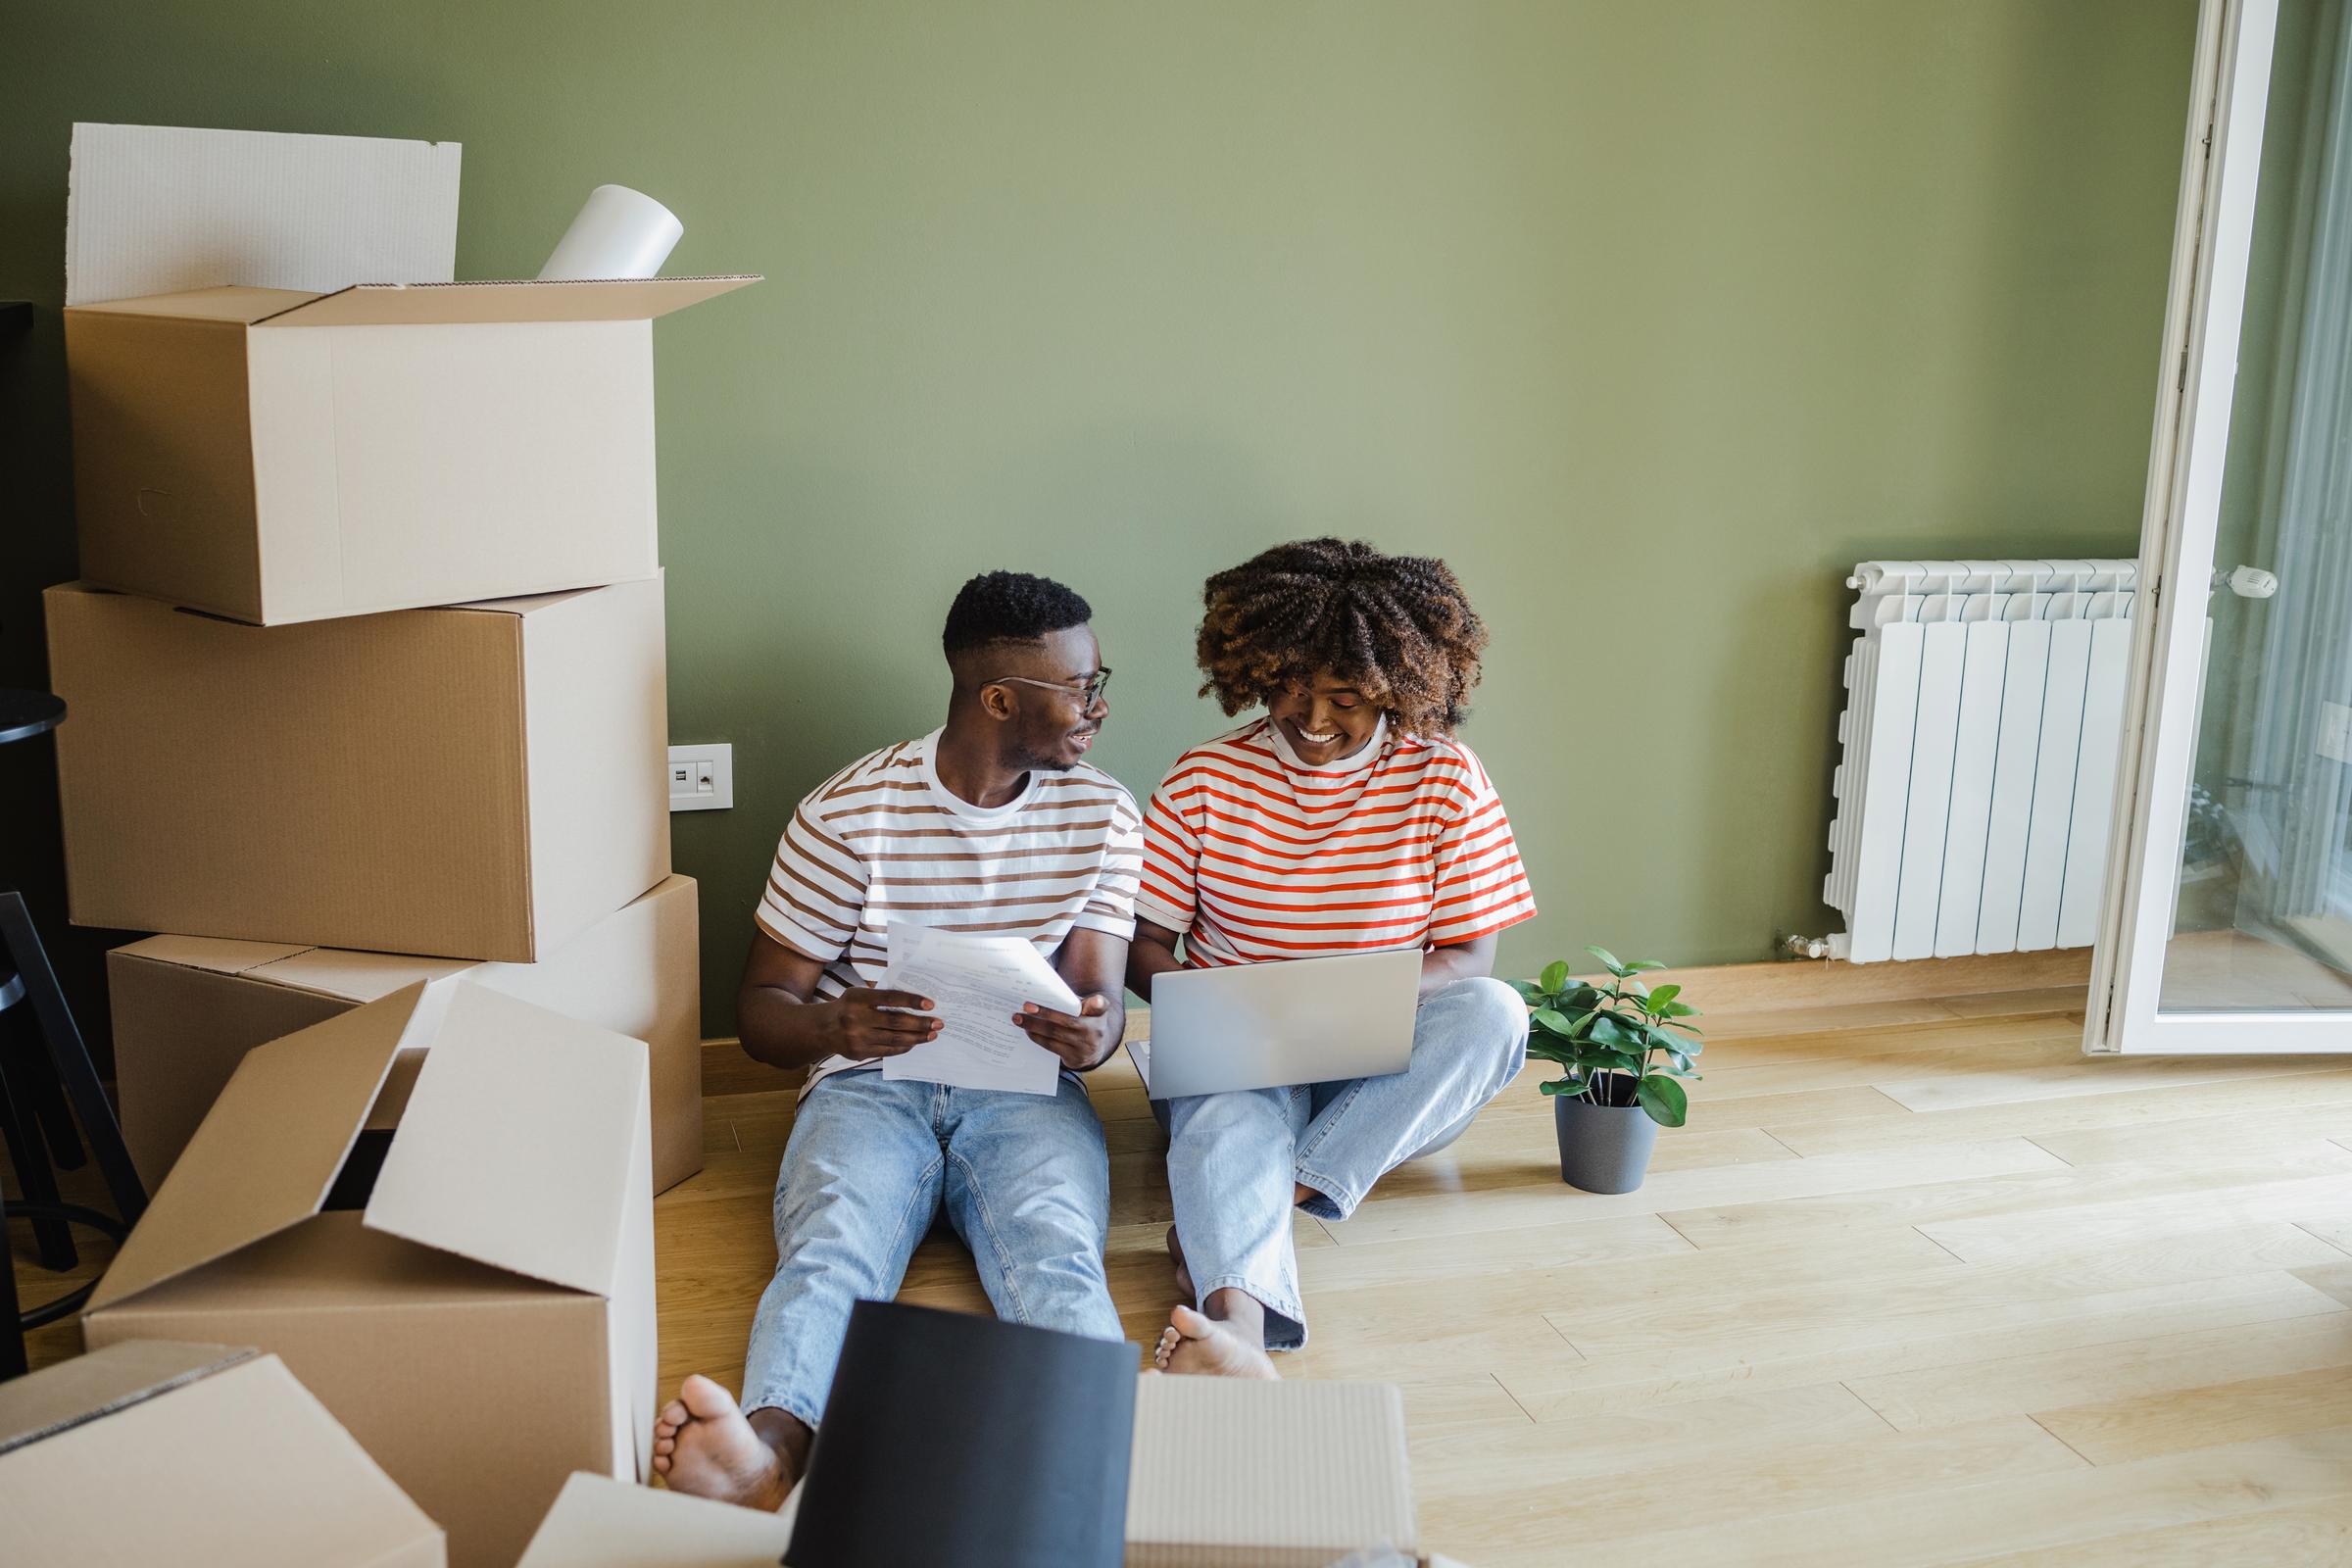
[[1271, 1025]]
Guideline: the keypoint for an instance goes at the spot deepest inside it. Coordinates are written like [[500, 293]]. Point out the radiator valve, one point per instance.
[[1797, 946]]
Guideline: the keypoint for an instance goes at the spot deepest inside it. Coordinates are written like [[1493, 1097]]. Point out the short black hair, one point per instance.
[[1010, 606]]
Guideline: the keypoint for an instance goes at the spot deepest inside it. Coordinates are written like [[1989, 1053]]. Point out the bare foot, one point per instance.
[[1205, 1348], [1184, 1272], [705, 1448]]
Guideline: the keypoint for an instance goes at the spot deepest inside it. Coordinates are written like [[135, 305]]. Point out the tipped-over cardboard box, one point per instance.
[[274, 456], [470, 1294], [601, 1523], [149, 1452], [187, 1008], [1270, 1475], [481, 781]]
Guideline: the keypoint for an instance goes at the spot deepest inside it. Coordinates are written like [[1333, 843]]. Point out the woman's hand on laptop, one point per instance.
[[868, 1024], [1082, 1040]]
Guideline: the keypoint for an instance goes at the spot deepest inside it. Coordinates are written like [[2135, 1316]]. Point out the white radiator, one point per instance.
[[1985, 703]]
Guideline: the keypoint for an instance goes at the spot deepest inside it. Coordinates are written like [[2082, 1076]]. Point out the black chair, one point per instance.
[[48, 1083]]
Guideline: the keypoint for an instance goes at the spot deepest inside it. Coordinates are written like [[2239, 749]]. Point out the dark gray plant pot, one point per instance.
[[1603, 1149]]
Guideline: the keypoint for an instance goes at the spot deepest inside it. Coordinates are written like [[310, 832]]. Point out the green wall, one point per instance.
[[1651, 318]]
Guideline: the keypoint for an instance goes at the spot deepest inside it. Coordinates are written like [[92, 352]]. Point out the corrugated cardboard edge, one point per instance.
[[598, 1522], [512, 1151], [1237, 1474], [506, 301], [234, 1184], [112, 1379]]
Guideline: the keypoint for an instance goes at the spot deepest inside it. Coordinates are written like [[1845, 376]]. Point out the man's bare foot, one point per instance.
[[704, 1446], [1205, 1348], [1184, 1272]]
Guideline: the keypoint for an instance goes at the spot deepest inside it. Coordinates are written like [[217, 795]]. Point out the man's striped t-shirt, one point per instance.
[[884, 841], [1251, 854]]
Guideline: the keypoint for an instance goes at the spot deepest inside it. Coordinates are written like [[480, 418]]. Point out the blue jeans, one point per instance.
[[1026, 1184], [1233, 1159]]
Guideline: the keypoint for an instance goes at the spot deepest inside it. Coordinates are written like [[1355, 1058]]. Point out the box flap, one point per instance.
[[150, 208], [225, 304], [358, 976], [598, 1522], [1319, 1468], [452, 304], [243, 1466], [338, 972], [270, 1150], [215, 955], [89, 1386], [515, 1149]]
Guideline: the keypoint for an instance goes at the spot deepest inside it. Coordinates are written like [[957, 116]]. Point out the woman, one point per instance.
[[1345, 818]]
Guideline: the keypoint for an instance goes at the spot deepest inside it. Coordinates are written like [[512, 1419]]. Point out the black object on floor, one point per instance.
[[954, 1440], [48, 1083]]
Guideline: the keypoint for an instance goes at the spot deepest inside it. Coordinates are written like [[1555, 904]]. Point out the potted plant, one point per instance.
[[1624, 1045]]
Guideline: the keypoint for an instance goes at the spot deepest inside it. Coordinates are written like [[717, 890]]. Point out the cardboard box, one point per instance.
[[472, 1295], [277, 455], [481, 781], [187, 1008], [148, 1452], [1271, 1475], [601, 1523]]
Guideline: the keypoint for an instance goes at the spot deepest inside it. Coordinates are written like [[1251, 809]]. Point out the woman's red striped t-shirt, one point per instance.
[[1251, 854]]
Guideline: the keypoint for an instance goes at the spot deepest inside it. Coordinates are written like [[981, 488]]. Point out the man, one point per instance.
[[992, 824]]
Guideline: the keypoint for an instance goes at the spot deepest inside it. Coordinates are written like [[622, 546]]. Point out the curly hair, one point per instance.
[[1399, 628], [1010, 606]]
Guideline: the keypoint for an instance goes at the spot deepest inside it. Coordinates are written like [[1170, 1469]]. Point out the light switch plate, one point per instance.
[[702, 778]]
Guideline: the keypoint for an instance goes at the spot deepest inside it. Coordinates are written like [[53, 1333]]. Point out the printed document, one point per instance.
[[977, 984]]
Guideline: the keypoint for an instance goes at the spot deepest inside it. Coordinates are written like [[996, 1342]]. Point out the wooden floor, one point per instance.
[[1918, 1284]]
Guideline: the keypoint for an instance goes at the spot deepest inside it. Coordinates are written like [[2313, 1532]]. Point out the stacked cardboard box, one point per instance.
[[368, 706], [310, 708]]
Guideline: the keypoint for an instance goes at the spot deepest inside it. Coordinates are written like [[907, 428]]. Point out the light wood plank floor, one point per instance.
[[1919, 1284]]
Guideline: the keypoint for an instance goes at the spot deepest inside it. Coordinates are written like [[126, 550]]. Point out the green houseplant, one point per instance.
[[1624, 1046]]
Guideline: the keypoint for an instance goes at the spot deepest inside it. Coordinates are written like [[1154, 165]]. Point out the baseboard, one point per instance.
[[1717, 988], [1830, 982]]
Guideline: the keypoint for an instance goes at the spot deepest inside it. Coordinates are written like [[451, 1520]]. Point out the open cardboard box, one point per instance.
[[277, 455], [149, 1452], [478, 781], [471, 1294], [187, 1008]]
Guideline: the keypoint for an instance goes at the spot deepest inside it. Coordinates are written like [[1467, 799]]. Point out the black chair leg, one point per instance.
[[12, 1332], [25, 1151], [70, 1058]]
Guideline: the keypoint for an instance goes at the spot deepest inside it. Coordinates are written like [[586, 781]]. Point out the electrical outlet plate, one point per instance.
[[702, 778]]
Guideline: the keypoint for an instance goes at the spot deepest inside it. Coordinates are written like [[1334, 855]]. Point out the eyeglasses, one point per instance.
[[1088, 695]]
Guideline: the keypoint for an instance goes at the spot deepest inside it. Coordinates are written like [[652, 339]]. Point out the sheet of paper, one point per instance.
[[977, 984], [156, 209]]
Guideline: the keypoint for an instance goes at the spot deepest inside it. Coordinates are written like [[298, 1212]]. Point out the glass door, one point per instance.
[[2229, 918]]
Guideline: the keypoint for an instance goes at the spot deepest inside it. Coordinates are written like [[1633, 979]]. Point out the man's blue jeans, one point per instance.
[[1025, 1182], [1234, 1158]]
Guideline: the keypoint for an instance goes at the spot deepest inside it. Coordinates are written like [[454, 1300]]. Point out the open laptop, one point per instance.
[[1270, 1025]]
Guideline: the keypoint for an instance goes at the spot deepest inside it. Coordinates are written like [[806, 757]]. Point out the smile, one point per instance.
[[1318, 740]]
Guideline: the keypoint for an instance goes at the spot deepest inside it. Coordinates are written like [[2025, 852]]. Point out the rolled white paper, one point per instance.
[[620, 233]]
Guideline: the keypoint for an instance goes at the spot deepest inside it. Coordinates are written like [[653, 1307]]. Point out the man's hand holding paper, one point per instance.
[[980, 986]]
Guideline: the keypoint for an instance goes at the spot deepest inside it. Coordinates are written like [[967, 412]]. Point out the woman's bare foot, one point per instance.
[[704, 1446], [1205, 1348], [1184, 1272]]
